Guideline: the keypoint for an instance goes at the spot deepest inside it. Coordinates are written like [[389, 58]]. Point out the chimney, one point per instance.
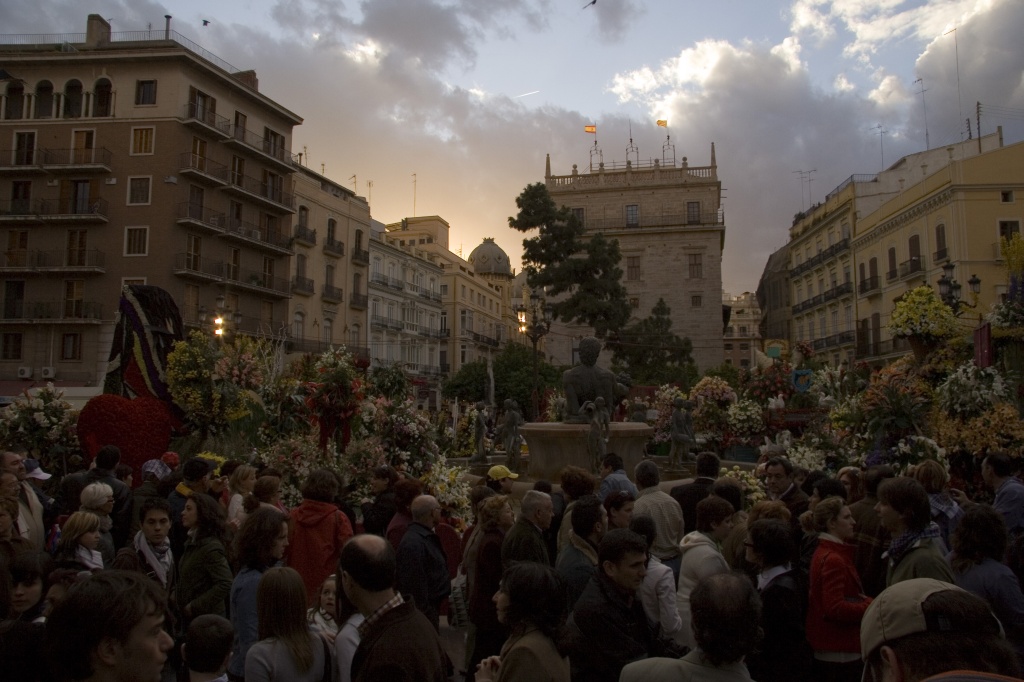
[[167, 27], [97, 31], [248, 78]]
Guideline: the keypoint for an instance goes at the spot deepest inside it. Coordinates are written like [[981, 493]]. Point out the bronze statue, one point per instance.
[[586, 382], [683, 439], [480, 434]]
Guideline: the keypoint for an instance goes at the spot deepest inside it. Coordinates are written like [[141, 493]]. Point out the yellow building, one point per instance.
[[476, 315], [946, 206], [328, 283]]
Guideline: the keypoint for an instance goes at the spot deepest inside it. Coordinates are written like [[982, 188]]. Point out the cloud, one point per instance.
[[615, 17]]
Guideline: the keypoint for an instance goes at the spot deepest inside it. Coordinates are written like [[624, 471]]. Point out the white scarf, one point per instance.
[[89, 558], [161, 562]]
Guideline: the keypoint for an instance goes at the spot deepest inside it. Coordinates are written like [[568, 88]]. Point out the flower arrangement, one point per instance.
[[746, 418], [1007, 317], [663, 401], [805, 349], [753, 487], [239, 364], [449, 486], [295, 458], [908, 452], [333, 396], [770, 382], [714, 390], [803, 455], [43, 424], [895, 403], [969, 391], [997, 428], [191, 381], [921, 313]]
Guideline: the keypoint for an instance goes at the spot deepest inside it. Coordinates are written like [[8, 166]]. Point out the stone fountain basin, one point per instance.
[[555, 445]]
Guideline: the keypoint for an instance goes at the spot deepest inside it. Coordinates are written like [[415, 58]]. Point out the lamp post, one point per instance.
[[534, 323], [223, 320], [949, 290]]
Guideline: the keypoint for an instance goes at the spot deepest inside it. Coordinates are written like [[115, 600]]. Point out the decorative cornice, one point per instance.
[[917, 210]]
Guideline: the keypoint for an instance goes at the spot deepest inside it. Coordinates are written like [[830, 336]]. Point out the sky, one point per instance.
[[449, 106]]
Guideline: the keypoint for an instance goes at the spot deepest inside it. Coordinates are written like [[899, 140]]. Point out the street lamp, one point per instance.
[[949, 290], [534, 323], [223, 318]]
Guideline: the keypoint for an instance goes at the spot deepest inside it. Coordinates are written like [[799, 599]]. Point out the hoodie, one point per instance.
[[701, 557], [318, 531]]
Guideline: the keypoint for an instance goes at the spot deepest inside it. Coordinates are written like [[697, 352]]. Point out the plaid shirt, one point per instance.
[[365, 626]]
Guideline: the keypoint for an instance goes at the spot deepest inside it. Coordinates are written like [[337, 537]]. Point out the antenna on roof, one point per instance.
[[632, 148]]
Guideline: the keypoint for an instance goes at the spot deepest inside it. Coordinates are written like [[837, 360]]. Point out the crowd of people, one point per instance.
[[192, 575]]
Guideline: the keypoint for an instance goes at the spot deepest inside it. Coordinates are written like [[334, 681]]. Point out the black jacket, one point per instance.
[[688, 495], [783, 655], [607, 630], [423, 569]]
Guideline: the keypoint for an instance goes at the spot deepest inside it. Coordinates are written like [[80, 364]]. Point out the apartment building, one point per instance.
[[135, 157], [330, 267], [743, 333]]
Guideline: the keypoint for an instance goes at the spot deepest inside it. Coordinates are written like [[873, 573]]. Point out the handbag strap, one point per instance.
[[327, 660]]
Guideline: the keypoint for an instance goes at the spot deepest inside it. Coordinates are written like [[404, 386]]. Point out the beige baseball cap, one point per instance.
[[897, 612]]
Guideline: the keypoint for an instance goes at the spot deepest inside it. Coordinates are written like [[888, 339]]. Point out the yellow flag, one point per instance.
[[663, 123], [590, 129]]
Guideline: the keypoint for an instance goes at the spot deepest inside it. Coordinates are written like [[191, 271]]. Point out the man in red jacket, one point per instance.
[[318, 532]]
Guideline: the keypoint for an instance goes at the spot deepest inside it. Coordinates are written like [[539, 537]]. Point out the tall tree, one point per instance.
[[651, 353], [513, 378], [580, 274]]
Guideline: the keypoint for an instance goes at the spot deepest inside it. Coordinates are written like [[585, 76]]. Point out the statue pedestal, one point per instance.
[[555, 445]]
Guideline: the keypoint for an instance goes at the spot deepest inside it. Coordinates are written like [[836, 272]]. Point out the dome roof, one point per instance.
[[490, 259]]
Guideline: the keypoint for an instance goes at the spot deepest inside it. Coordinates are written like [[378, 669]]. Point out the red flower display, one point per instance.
[[140, 427]]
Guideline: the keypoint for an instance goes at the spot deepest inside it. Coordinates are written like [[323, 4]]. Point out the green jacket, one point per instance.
[[922, 560], [204, 579]]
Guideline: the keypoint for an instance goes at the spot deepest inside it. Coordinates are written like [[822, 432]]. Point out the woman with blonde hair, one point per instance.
[[98, 498], [836, 602], [288, 651], [241, 483], [79, 537], [946, 513]]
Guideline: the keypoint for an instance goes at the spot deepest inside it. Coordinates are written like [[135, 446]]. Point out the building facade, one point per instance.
[[821, 275], [773, 297], [476, 306], [135, 158], [743, 333], [670, 225], [950, 205], [328, 280], [405, 310]]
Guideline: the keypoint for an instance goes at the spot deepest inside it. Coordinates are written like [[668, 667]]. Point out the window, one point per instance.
[[202, 106], [133, 281], [634, 302], [193, 252], [1006, 196], [892, 263], [728, 346], [24, 148], [17, 249], [77, 247], [325, 331], [136, 241], [744, 363], [74, 290], [580, 215], [632, 267], [83, 142], [692, 212], [299, 326], [138, 191], [696, 301], [145, 92], [234, 264], [632, 215], [102, 98], [44, 100], [73, 99], [273, 143], [267, 314], [332, 229], [444, 289], [237, 170], [191, 303], [1008, 227], [241, 120], [71, 347], [696, 266], [15, 108], [744, 346], [142, 140], [10, 346], [303, 217], [300, 265], [268, 272]]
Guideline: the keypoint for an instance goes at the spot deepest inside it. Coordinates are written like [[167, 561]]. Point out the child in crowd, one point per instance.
[[207, 648], [321, 615]]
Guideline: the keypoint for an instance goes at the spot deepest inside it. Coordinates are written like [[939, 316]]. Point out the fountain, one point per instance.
[[589, 392]]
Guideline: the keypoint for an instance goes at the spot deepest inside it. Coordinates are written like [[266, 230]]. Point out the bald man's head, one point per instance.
[[423, 508], [370, 561]]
